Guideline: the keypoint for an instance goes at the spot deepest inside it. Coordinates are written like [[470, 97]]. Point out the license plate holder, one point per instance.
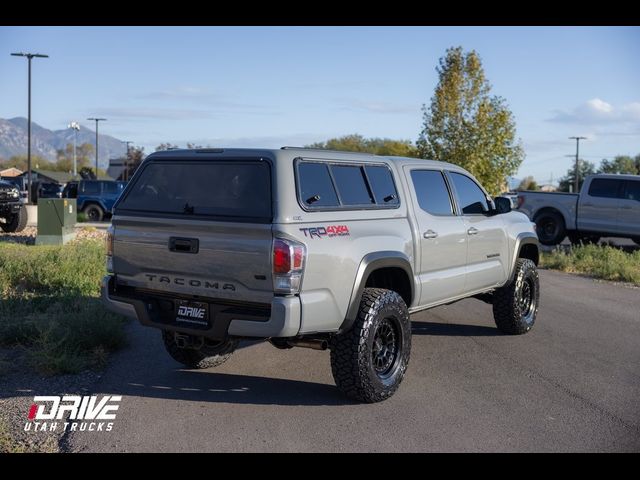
[[192, 313]]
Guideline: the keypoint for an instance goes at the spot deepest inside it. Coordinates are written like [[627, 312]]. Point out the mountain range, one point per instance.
[[45, 142]]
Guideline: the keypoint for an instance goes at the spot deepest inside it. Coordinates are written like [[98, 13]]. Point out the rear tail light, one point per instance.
[[288, 265], [109, 248], [520, 200]]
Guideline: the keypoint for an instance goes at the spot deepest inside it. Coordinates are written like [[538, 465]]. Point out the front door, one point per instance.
[[598, 207], [443, 239], [487, 254], [629, 212]]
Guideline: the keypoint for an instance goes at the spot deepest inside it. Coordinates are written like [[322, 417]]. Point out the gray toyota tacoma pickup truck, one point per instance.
[[312, 248]]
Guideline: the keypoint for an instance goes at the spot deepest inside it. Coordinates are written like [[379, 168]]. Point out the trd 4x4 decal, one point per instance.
[[328, 231]]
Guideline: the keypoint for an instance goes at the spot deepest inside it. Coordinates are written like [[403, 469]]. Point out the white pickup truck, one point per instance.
[[607, 206]]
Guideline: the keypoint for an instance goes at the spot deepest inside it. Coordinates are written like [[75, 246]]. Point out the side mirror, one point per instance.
[[503, 205]]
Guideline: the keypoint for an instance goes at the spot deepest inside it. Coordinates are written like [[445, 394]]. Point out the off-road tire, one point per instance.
[[93, 212], [550, 228], [515, 306], [352, 352], [17, 222], [636, 240], [206, 357]]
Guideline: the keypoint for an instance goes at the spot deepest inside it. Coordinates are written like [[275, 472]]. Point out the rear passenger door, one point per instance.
[[598, 207], [442, 237], [487, 253]]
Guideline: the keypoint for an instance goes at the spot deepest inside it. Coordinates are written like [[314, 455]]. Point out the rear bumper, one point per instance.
[[283, 321]]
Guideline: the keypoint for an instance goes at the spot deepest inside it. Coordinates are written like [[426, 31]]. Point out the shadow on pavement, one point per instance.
[[452, 330], [207, 386]]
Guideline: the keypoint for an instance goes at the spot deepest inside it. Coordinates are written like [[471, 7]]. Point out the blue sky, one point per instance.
[[274, 86]]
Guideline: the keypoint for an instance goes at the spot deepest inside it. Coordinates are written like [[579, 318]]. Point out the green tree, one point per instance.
[[87, 173], [166, 146], [20, 162], [467, 126], [528, 183], [84, 156], [135, 156], [621, 164], [377, 146], [568, 181]]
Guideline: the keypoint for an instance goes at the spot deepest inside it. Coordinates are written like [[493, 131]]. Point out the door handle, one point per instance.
[[184, 245], [430, 234], [627, 207], [472, 231], [587, 204]]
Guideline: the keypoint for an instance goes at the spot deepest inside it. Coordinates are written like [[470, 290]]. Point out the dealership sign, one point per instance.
[[72, 413]]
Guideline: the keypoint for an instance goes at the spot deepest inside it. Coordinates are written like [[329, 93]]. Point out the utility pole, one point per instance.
[[29, 57], [76, 127], [577, 139], [126, 161], [97, 120]]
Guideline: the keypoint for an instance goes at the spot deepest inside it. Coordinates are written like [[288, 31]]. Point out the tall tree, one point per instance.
[[568, 181], [135, 156], [166, 146], [64, 157], [377, 146], [528, 183], [621, 164], [20, 162], [467, 126]]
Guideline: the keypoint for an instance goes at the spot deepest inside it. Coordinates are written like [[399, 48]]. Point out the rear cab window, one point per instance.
[[346, 186], [432, 192], [233, 190], [605, 188]]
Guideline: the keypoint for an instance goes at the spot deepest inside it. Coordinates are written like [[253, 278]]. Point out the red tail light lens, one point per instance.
[[520, 200], [288, 265], [281, 257]]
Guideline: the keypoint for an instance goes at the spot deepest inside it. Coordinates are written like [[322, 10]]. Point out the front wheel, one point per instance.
[[16, 222], [515, 306], [369, 361]]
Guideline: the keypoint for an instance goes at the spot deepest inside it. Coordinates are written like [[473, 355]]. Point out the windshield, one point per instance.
[[233, 190]]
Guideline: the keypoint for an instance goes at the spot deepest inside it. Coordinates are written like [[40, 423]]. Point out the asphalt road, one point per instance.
[[571, 384]]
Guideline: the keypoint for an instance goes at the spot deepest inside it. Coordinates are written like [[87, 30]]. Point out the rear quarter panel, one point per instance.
[[333, 257]]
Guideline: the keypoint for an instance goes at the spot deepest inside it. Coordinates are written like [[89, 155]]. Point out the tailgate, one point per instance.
[[232, 261]]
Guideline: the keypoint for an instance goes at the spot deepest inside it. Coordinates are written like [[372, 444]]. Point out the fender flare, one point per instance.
[[369, 263], [523, 238]]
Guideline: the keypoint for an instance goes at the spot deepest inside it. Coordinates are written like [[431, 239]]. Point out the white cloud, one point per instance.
[[597, 112]]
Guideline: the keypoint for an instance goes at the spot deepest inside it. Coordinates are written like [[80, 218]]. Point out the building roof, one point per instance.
[[10, 172], [62, 177]]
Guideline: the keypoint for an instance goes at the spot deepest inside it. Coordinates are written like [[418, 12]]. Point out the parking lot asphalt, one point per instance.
[[571, 384]]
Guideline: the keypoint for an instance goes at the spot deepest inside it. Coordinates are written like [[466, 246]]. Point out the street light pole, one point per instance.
[[76, 127], [577, 139], [29, 57], [97, 120]]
